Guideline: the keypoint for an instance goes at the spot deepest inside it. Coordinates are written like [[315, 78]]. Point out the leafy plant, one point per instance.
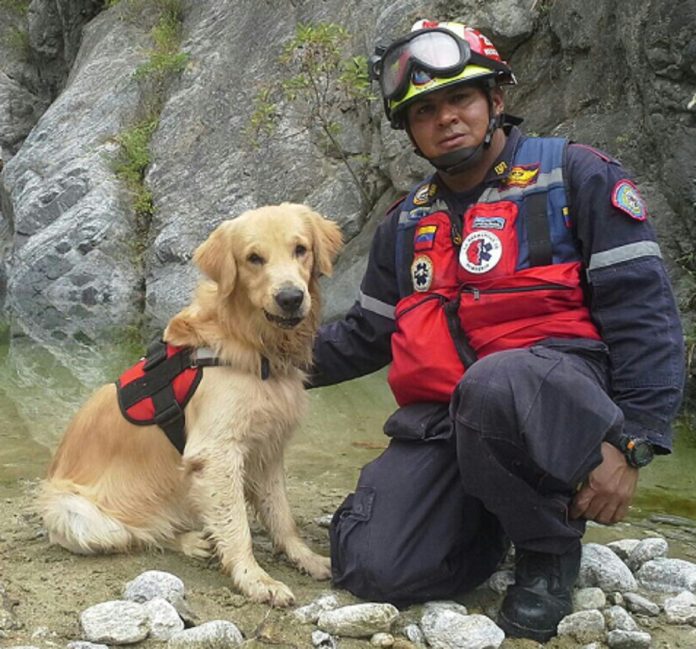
[[18, 7], [133, 160], [318, 85], [166, 60]]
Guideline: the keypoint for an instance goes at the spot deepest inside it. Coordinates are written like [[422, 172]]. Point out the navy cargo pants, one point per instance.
[[432, 516]]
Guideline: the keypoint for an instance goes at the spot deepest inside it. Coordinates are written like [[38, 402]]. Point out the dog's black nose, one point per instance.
[[289, 299]]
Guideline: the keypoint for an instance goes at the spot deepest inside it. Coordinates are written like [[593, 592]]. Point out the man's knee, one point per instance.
[[484, 399]]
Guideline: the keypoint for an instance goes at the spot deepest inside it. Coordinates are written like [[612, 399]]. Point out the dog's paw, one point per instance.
[[306, 560], [316, 566], [269, 591], [195, 544]]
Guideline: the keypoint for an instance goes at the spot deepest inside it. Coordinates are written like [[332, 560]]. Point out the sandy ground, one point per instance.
[[45, 588]]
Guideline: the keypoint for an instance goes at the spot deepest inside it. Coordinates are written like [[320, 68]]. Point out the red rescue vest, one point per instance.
[[470, 301]]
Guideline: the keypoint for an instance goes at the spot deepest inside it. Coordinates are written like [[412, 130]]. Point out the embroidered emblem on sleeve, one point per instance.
[[422, 273], [481, 251], [626, 197], [424, 194], [523, 175]]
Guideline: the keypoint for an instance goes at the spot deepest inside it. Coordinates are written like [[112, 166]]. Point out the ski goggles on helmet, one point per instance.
[[432, 52]]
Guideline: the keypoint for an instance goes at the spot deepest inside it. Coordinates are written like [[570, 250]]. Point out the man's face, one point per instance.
[[451, 118]]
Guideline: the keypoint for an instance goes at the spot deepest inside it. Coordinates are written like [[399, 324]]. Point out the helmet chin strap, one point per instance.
[[461, 160]]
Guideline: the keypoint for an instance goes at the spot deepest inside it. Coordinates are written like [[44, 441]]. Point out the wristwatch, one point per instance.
[[638, 452]]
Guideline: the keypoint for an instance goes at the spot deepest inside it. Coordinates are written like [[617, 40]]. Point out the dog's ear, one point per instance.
[[215, 257], [327, 240]]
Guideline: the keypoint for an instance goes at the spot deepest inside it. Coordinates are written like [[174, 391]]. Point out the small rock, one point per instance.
[[681, 609], [628, 639], [81, 644], [586, 599], [585, 626], [322, 640], [324, 521], [623, 547], [413, 633], [382, 640], [499, 581], [154, 583], [641, 605], [601, 567], [646, 550], [618, 618], [164, 620], [447, 629], [445, 605], [218, 634], [358, 620], [668, 575], [310, 613], [615, 599], [115, 622]]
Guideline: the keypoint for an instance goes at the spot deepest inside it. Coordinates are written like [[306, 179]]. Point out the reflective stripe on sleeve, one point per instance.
[[623, 253], [376, 306]]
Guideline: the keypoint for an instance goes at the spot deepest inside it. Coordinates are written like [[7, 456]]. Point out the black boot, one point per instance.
[[542, 594]]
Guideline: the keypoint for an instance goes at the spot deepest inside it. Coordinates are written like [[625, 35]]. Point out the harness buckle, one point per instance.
[[156, 353], [170, 413]]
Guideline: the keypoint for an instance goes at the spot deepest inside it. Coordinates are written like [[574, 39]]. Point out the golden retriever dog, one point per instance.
[[113, 486]]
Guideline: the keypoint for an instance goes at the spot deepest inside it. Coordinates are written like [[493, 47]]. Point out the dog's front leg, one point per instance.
[[272, 504], [219, 491]]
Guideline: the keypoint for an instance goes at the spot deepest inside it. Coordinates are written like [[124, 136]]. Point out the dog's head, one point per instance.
[[270, 258]]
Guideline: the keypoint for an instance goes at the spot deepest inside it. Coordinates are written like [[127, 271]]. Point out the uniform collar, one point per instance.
[[500, 169]]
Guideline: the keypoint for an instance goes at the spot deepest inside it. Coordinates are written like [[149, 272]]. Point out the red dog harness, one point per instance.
[[158, 387]]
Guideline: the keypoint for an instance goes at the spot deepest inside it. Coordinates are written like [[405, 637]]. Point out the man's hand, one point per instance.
[[608, 491]]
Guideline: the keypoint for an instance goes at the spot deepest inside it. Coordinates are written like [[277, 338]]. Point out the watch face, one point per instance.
[[639, 452]]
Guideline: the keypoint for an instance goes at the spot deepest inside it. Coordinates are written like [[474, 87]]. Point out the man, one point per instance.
[[536, 350]]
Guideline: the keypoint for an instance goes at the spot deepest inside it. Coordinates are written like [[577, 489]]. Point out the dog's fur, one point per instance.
[[113, 486]]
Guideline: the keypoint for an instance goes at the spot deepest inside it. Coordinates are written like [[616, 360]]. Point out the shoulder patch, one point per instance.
[[626, 197]]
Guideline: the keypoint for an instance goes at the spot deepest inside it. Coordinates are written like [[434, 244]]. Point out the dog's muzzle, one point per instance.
[[290, 301]]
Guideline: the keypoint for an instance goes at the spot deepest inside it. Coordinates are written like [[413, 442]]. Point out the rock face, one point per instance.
[[68, 226]]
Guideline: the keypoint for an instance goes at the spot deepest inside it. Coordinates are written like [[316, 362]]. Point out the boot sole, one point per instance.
[[515, 630]]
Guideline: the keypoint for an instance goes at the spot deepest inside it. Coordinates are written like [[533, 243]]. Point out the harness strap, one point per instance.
[[169, 416], [205, 357], [538, 231], [465, 351], [159, 376]]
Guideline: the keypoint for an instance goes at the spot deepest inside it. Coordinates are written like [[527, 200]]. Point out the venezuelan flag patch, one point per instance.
[[425, 237]]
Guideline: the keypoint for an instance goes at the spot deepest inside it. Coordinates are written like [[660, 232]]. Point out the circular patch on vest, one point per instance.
[[481, 251], [422, 273]]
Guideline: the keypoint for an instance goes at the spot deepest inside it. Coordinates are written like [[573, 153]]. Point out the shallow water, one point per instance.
[[42, 386]]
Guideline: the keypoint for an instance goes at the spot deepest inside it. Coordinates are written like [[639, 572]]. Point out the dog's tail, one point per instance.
[[79, 525]]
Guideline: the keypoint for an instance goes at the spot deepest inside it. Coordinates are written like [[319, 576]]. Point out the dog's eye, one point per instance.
[[253, 258], [300, 250]]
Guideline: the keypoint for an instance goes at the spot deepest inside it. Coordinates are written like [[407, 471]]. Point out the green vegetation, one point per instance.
[[17, 7], [318, 85], [154, 77], [17, 39], [166, 60], [13, 33], [132, 162]]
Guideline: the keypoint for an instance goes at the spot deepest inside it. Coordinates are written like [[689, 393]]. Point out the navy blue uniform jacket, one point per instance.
[[630, 298]]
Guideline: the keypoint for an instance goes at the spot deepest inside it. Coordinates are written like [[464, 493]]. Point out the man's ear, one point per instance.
[[497, 100], [215, 257], [327, 241]]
